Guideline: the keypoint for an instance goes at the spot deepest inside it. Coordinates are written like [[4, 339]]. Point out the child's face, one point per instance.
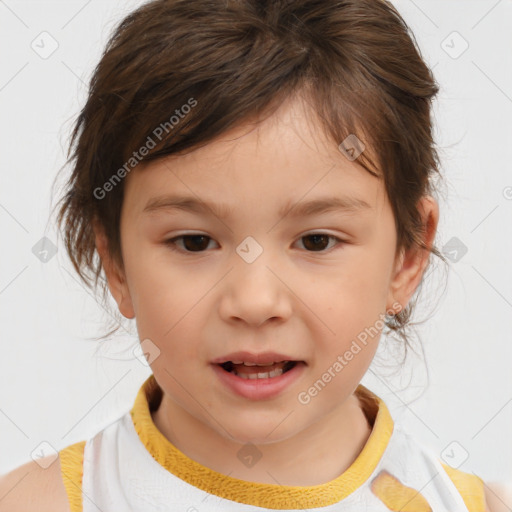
[[306, 298]]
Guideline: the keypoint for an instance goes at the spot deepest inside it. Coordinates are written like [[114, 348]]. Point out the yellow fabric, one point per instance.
[[397, 496], [71, 463], [258, 494], [471, 488]]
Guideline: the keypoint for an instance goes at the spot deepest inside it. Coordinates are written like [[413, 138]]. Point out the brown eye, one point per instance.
[[317, 242], [191, 243]]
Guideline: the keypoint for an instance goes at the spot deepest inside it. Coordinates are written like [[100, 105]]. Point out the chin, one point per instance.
[[258, 433]]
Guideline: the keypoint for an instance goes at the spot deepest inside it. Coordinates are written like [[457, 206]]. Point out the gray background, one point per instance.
[[57, 387]]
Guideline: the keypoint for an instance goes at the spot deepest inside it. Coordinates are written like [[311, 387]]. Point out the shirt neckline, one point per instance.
[[264, 495]]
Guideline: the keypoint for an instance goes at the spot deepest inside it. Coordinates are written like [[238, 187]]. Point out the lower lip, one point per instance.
[[259, 389]]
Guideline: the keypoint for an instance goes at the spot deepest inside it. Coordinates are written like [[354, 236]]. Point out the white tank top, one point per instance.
[[131, 466]]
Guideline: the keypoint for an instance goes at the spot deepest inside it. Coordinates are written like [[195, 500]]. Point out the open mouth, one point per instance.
[[252, 371]]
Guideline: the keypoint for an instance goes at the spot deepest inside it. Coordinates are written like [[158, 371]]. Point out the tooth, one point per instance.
[[237, 362], [261, 375], [261, 364]]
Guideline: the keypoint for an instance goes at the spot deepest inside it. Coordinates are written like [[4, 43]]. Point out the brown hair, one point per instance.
[[354, 61]]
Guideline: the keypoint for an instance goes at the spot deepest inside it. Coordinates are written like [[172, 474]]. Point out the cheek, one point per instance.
[[161, 291], [358, 290], [347, 359], [170, 319], [171, 314], [368, 280], [354, 306]]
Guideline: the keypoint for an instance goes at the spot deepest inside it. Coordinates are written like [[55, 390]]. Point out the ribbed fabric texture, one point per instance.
[[394, 494], [71, 463], [263, 495]]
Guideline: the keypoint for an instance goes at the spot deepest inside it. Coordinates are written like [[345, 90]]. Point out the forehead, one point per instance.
[[283, 159]]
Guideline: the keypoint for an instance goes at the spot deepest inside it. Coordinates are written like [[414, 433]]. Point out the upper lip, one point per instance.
[[249, 357]]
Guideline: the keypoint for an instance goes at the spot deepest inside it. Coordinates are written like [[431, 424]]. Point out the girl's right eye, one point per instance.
[[196, 243]]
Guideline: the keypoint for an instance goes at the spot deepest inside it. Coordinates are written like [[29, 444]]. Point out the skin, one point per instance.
[[299, 298]]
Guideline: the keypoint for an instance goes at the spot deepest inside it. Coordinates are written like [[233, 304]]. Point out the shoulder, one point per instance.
[[498, 497], [478, 495], [34, 486]]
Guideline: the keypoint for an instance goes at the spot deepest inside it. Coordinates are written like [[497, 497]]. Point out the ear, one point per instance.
[[410, 265], [115, 277]]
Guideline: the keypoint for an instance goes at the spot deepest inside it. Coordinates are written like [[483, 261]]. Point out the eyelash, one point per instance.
[[171, 242]]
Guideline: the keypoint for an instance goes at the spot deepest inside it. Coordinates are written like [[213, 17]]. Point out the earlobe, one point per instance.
[[411, 264], [115, 277]]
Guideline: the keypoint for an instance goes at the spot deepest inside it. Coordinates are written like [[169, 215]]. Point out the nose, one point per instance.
[[255, 292]]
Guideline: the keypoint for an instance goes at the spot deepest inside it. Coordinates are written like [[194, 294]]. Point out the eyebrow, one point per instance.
[[222, 211]]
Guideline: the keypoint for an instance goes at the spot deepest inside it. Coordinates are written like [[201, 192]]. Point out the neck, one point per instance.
[[314, 456]]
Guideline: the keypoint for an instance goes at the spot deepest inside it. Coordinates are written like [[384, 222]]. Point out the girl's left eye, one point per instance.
[[198, 242], [320, 239]]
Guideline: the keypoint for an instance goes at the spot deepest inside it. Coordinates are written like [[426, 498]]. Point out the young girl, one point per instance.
[[255, 177]]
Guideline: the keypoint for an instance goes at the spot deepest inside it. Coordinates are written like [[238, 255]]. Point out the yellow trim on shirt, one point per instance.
[[261, 494], [471, 488], [397, 496], [71, 464]]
